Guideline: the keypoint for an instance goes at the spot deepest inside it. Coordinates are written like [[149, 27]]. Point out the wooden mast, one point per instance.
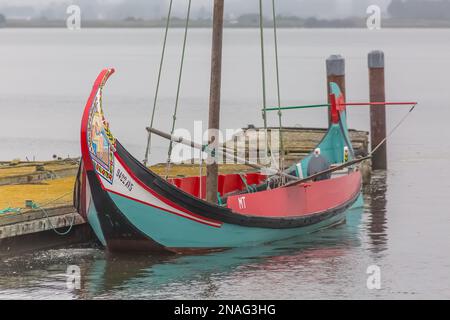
[[212, 168]]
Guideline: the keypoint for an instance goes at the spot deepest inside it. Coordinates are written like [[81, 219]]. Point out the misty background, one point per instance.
[[201, 9]]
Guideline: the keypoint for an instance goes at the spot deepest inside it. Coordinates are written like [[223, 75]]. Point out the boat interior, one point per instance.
[[227, 183]]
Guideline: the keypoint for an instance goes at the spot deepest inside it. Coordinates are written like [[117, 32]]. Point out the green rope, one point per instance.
[[174, 117], [278, 83], [244, 180], [298, 107], [149, 138], [10, 210], [219, 199]]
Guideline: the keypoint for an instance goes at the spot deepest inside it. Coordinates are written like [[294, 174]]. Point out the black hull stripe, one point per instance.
[[120, 234], [225, 215]]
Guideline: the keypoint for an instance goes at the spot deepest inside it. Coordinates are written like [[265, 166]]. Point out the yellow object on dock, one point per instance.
[[14, 196]]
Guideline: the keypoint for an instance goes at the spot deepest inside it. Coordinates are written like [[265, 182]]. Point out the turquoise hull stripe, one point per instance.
[[95, 223], [177, 232]]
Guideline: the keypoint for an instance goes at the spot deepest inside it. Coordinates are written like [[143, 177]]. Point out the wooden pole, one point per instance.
[[377, 113], [212, 167], [335, 73]]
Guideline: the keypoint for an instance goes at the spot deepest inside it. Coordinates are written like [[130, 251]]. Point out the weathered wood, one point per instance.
[[29, 215], [212, 168], [298, 142], [79, 235], [335, 65], [35, 221], [377, 113]]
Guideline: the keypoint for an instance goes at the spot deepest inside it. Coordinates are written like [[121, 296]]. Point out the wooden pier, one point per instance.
[[298, 142]]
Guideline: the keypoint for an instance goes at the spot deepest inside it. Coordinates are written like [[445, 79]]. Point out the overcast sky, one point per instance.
[[156, 8]]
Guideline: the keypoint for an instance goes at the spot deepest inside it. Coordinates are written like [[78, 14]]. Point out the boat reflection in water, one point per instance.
[[117, 276]]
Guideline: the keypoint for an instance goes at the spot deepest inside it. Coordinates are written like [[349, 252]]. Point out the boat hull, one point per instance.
[[128, 225]]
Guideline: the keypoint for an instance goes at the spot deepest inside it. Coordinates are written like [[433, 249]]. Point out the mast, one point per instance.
[[212, 168]]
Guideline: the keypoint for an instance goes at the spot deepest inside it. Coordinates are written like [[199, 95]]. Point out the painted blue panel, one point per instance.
[[174, 231]]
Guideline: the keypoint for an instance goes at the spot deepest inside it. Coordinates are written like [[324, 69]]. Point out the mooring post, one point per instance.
[[335, 73], [378, 112]]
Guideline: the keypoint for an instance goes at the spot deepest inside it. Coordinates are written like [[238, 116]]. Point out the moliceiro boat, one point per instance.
[[131, 208]]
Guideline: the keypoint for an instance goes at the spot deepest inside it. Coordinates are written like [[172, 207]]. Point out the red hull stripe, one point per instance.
[[101, 79]]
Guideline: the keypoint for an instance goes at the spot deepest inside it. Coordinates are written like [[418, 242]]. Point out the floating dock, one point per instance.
[[36, 197]]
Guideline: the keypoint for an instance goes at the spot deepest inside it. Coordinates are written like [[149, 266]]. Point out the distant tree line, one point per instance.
[[420, 9], [252, 20]]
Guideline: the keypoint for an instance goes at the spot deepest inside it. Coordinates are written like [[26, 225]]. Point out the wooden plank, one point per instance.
[[40, 225]]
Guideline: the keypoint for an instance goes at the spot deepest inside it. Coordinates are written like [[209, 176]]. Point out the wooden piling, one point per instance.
[[377, 113], [335, 73]]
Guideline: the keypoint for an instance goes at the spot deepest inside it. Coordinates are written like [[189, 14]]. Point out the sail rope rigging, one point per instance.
[[358, 160], [174, 116], [280, 125], [263, 75], [149, 137]]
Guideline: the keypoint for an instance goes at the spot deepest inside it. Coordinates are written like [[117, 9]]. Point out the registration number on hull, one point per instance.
[[124, 179]]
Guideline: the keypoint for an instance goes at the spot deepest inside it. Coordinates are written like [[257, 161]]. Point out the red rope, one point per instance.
[[377, 103]]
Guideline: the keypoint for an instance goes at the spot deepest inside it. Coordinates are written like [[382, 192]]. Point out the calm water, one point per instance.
[[404, 227]]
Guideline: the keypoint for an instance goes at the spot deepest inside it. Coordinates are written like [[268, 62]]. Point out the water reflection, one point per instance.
[[42, 275], [375, 199], [153, 277]]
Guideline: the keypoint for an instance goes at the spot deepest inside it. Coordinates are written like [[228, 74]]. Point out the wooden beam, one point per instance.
[[377, 114], [212, 168]]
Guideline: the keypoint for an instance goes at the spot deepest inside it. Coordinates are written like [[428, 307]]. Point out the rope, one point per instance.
[[48, 218], [10, 210], [278, 83], [201, 175], [52, 226], [174, 117], [56, 199], [353, 162], [40, 207], [149, 138], [393, 130], [263, 71]]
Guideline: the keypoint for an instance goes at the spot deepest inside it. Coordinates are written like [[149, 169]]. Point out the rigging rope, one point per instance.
[[355, 161], [278, 84], [174, 117], [149, 138], [393, 130], [263, 73]]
